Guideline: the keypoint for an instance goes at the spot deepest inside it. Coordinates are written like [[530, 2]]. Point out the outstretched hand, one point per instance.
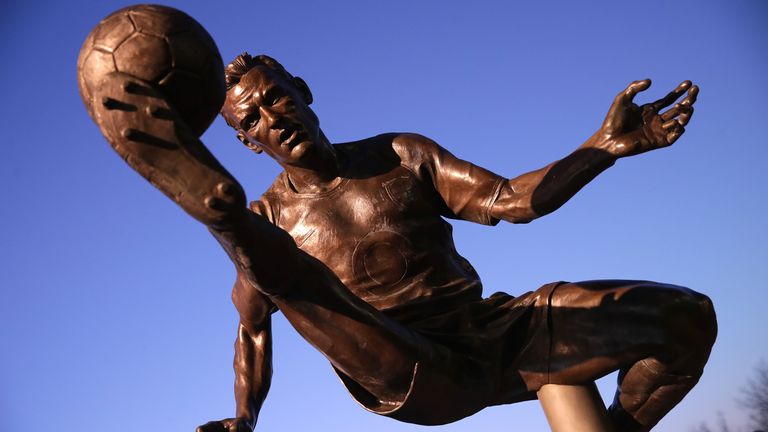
[[630, 129]]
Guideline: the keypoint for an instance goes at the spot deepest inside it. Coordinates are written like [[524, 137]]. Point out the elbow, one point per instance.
[[522, 220], [514, 210], [515, 216], [513, 206]]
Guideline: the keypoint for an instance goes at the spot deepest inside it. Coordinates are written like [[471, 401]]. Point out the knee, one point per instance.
[[707, 313], [691, 321], [706, 317], [697, 310]]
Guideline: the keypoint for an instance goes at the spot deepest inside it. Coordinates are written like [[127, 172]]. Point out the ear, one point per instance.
[[304, 89], [241, 137]]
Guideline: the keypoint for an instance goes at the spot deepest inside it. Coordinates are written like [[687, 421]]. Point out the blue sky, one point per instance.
[[114, 306]]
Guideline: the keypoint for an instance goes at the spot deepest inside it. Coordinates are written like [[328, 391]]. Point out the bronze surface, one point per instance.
[[351, 244]]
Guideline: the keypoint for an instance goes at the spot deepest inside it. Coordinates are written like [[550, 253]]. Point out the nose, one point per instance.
[[270, 117]]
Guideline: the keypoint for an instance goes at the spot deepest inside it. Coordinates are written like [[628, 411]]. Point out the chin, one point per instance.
[[301, 150]]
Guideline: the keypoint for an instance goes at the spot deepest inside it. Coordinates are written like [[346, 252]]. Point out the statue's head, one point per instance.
[[269, 109]]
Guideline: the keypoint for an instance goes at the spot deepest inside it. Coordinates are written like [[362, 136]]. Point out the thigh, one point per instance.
[[597, 327]]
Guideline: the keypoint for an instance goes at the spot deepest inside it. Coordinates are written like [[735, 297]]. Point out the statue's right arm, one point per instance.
[[253, 350], [253, 358], [253, 367]]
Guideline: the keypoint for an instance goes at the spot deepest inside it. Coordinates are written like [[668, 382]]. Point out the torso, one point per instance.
[[379, 230]]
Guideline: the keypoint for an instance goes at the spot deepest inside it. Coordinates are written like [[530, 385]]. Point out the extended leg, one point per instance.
[[360, 341], [377, 352]]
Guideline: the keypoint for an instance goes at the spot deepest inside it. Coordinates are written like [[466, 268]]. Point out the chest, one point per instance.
[[369, 222]]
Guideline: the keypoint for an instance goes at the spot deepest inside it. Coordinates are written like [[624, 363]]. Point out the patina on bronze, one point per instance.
[[351, 244]]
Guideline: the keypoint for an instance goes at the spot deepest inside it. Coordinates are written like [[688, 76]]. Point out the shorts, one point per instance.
[[490, 352]]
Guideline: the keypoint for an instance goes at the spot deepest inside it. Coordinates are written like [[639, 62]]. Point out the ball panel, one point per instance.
[[205, 39], [96, 65], [186, 52], [213, 88], [156, 20], [112, 31], [143, 56], [82, 84]]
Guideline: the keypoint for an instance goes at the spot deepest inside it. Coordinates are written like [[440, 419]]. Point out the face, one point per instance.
[[273, 116]]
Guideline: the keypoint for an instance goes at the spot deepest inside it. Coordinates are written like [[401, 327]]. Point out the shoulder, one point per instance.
[[416, 150], [406, 146], [414, 144], [268, 205]]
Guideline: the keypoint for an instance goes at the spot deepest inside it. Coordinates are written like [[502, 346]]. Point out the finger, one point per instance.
[[672, 130], [685, 117], [682, 111], [691, 97], [622, 100], [670, 125], [675, 111], [634, 88], [670, 98], [674, 135], [212, 426], [693, 94]]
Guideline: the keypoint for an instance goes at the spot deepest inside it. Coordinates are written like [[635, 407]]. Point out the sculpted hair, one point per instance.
[[245, 62], [240, 66]]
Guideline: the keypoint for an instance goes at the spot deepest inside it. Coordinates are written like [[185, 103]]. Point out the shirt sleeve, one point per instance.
[[267, 206], [467, 190]]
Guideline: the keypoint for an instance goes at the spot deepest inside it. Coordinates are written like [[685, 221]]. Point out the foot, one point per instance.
[[148, 133]]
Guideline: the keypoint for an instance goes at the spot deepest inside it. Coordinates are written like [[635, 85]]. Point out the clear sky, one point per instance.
[[114, 305]]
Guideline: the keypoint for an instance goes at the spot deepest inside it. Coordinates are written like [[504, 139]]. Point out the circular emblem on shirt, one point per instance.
[[380, 258]]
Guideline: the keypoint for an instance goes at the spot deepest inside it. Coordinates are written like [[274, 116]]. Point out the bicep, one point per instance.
[[467, 190], [255, 308]]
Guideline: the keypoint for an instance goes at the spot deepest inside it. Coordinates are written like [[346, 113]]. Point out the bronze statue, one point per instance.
[[350, 243]]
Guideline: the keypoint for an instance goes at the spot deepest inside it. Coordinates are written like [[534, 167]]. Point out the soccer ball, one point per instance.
[[163, 46]]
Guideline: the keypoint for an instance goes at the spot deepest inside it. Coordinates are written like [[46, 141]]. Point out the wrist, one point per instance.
[[609, 147], [246, 415]]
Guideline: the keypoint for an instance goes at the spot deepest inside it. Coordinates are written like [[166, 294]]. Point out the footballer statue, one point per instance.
[[352, 246]]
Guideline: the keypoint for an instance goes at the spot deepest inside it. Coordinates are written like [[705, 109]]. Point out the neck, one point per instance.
[[321, 174]]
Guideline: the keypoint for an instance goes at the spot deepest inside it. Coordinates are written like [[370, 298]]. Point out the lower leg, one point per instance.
[[651, 387], [577, 408], [645, 394]]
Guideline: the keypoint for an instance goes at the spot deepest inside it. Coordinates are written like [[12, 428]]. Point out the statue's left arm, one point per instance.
[[473, 193], [628, 130]]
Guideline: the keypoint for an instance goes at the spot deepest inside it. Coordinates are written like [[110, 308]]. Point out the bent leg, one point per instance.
[[658, 336]]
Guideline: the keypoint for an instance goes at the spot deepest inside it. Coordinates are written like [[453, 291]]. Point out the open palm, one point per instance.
[[631, 129]]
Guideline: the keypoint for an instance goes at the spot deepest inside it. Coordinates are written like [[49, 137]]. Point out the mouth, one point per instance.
[[290, 137]]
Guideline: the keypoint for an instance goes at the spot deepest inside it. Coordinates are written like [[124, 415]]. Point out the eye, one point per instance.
[[273, 96], [250, 121]]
